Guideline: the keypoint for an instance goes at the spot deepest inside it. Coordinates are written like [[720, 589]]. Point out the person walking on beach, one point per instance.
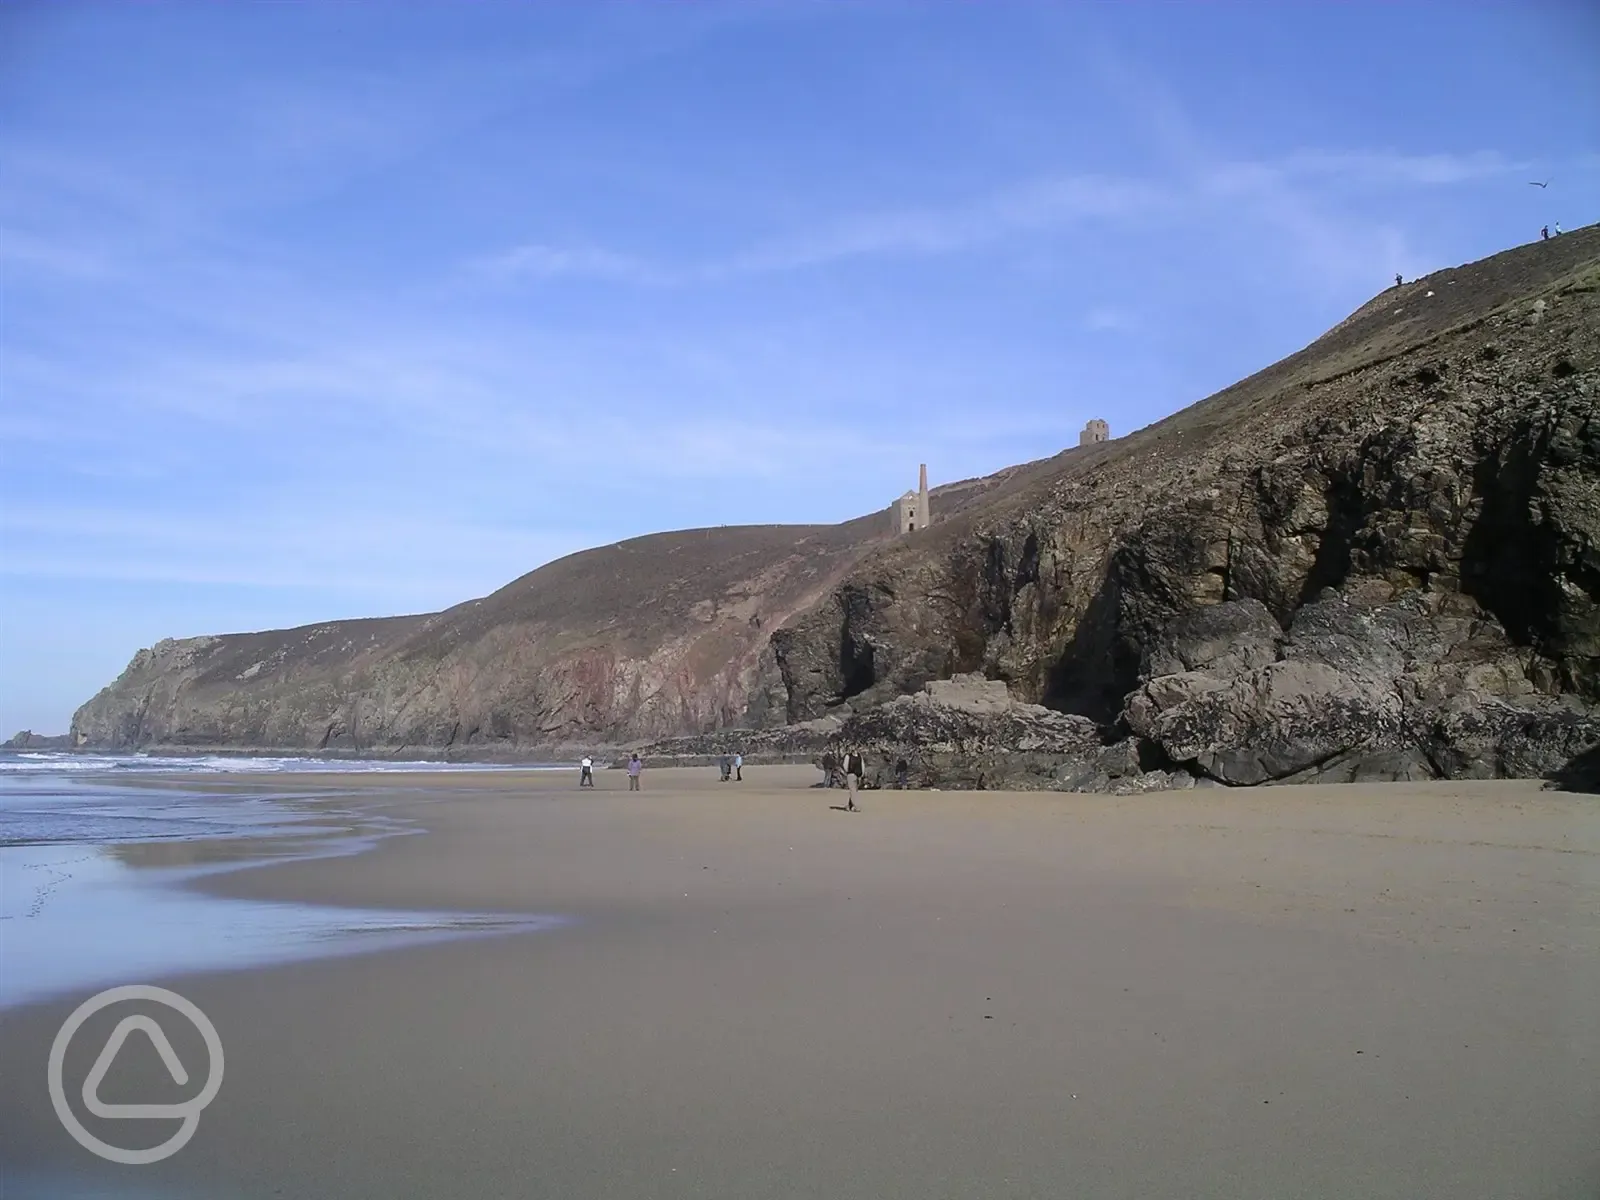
[[727, 767], [634, 767], [902, 771], [855, 776], [738, 768], [586, 778], [830, 768]]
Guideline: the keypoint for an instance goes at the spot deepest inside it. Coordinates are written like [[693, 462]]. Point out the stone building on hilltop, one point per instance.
[[911, 511], [1095, 431]]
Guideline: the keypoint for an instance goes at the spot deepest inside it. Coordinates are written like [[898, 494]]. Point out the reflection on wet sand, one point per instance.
[[79, 916]]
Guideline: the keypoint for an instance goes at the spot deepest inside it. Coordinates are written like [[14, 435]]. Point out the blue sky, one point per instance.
[[313, 311]]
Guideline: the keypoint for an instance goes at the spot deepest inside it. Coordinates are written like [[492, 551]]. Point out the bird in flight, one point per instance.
[[1545, 184]]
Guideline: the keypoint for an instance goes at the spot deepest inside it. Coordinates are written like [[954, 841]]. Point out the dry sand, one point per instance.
[[1333, 991]]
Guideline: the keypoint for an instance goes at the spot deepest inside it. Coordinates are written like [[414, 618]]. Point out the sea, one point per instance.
[[100, 855]]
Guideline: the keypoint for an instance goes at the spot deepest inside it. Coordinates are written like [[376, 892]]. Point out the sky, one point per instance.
[[323, 310]]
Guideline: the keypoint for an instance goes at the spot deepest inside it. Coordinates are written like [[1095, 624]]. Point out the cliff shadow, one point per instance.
[[1100, 665], [1500, 558], [1581, 774]]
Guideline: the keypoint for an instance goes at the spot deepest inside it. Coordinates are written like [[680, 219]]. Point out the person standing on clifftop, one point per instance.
[[586, 778], [1544, 233], [1397, 280], [634, 767]]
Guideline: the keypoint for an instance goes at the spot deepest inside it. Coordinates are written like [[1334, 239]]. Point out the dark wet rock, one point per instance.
[[1220, 639], [1421, 688], [29, 740], [1580, 774]]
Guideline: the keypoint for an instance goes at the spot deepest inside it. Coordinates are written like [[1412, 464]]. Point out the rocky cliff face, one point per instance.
[[1400, 524], [648, 637], [1441, 445]]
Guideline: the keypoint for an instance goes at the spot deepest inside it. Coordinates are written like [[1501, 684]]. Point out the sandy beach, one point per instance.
[[1387, 991]]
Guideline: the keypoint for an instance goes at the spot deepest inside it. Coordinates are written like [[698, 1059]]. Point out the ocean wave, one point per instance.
[[47, 761]]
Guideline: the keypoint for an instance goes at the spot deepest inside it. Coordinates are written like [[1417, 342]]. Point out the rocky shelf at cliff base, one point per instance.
[[28, 740], [1336, 700], [1376, 559]]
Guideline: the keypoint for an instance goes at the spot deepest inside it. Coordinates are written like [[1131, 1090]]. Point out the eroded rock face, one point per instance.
[[1421, 688], [967, 732], [1450, 457]]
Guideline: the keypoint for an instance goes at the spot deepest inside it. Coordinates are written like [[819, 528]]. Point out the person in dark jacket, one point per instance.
[[855, 776], [830, 768]]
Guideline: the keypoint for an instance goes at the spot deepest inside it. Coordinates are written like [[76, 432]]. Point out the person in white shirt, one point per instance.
[[587, 778]]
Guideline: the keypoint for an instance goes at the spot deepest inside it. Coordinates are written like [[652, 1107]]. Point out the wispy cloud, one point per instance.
[[1041, 206], [1049, 203], [1333, 248], [274, 549], [1220, 177], [21, 251], [1389, 169], [542, 261], [1109, 319]]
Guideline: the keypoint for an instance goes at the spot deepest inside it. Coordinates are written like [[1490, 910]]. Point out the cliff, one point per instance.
[[650, 636], [1435, 457]]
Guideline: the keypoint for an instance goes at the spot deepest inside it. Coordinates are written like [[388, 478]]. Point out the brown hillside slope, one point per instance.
[[1443, 444], [653, 635]]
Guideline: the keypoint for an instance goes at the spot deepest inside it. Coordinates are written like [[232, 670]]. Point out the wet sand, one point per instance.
[[1321, 991]]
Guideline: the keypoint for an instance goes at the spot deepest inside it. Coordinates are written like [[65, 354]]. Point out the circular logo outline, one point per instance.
[[189, 1110]]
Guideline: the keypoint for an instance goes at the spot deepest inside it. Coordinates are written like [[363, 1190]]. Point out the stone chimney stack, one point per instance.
[[923, 510]]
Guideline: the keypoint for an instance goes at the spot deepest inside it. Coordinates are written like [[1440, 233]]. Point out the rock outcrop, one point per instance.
[[29, 740], [1378, 558], [1417, 689], [963, 732]]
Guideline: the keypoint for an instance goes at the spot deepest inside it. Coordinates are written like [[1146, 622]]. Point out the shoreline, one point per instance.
[[396, 754], [89, 911], [1387, 989], [1579, 777]]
